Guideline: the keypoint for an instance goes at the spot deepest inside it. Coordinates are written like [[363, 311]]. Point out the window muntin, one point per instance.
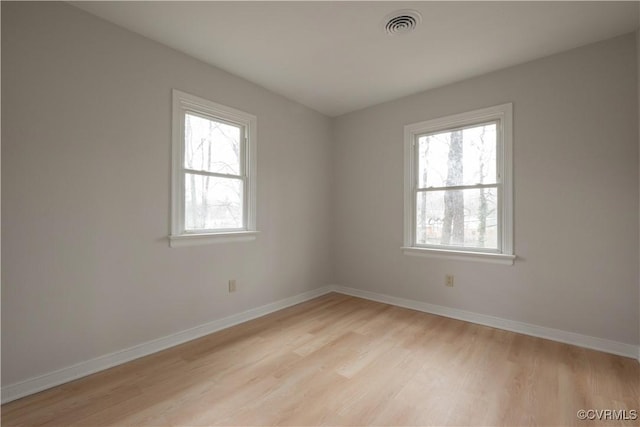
[[458, 188], [213, 190]]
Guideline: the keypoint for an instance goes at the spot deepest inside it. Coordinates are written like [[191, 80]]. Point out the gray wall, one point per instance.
[[576, 196], [87, 268]]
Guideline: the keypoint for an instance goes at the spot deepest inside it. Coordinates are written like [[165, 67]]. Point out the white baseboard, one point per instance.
[[594, 343], [70, 373]]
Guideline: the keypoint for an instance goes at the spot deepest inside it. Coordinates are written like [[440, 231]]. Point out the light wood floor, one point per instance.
[[339, 360]]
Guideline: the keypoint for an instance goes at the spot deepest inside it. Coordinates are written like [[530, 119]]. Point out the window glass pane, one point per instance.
[[459, 157], [464, 218], [212, 203], [211, 146]]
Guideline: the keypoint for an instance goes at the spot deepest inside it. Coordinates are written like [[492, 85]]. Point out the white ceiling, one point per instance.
[[335, 57]]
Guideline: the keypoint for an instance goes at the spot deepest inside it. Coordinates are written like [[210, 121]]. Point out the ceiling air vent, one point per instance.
[[402, 22]]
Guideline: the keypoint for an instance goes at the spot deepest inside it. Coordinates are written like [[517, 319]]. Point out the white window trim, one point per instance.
[[503, 114], [182, 103]]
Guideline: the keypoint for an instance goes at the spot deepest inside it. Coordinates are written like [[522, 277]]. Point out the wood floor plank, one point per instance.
[[340, 360]]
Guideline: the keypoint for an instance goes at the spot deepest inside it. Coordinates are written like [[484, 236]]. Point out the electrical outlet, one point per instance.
[[448, 280], [232, 285]]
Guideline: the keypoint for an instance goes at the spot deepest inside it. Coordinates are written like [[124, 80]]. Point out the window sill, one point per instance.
[[460, 255], [211, 238]]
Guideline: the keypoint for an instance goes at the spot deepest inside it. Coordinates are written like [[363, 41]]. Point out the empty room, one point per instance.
[[320, 213]]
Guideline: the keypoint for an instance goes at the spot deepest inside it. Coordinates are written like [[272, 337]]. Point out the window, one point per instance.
[[213, 175], [458, 186]]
